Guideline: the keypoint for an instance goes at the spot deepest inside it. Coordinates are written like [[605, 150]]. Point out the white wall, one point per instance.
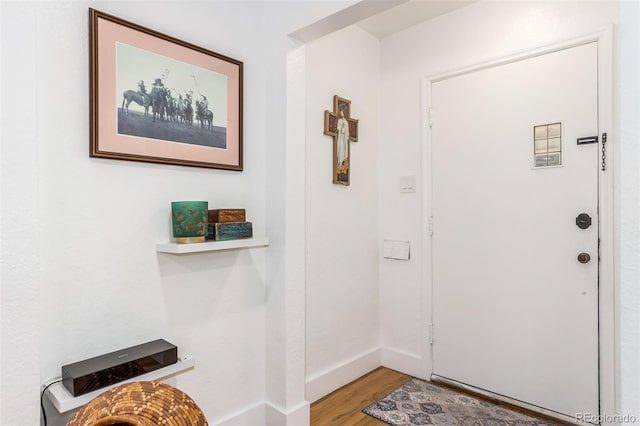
[[342, 250], [86, 279], [69, 241], [80, 273], [627, 126], [285, 319], [478, 33]]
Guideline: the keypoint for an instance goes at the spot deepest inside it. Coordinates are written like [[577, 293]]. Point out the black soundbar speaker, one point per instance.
[[105, 370]]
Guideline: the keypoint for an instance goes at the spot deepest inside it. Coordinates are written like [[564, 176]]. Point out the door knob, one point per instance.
[[584, 257]]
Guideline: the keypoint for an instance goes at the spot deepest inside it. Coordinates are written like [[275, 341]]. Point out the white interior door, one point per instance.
[[514, 311]]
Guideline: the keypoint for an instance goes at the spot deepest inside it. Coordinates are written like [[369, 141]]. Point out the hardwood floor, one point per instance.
[[344, 406]]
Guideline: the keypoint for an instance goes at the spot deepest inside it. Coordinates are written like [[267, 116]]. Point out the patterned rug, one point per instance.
[[421, 403]]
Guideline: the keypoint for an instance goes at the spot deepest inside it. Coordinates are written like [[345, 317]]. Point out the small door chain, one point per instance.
[[604, 152]]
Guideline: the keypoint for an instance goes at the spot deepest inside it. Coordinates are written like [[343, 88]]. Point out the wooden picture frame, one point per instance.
[[141, 83]]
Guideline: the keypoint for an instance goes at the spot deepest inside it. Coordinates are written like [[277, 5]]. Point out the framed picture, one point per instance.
[[158, 99]]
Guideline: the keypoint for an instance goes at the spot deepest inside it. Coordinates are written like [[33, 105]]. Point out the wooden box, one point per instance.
[[227, 215], [224, 231]]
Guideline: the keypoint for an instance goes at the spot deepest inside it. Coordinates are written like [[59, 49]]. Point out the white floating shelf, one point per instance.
[[175, 248], [64, 401]]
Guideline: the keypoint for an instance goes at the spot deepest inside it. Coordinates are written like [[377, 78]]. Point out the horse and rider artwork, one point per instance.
[[162, 98], [157, 99]]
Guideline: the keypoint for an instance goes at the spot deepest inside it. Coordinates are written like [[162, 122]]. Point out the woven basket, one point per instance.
[[141, 404]]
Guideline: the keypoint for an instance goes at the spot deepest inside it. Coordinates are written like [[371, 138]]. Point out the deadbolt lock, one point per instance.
[[583, 221], [584, 257]]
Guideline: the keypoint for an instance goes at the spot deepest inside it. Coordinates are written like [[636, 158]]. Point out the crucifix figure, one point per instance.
[[343, 128]]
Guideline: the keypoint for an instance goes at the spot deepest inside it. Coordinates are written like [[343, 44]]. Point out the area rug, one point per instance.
[[421, 403]]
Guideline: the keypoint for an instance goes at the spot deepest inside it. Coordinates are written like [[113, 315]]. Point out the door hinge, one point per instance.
[[604, 152], [431, 226], [431, 334], [430, 117]]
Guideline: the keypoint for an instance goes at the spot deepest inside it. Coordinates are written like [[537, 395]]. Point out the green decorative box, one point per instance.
[[189, 221], [225, 231]]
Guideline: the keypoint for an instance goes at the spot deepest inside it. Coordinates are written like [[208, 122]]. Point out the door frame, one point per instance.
[[608, 344]]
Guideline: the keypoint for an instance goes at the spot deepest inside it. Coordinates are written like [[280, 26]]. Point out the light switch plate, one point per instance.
[[407, 184]]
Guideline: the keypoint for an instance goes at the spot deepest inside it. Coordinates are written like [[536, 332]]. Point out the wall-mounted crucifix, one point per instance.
[[343, 128]]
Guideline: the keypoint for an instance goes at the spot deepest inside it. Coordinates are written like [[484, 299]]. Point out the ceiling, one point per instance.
[[408, 14]]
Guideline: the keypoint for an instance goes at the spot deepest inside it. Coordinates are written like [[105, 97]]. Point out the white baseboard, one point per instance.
[[266, 414], [323, 384], [254, 416], [404, 362], [298, 416]]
